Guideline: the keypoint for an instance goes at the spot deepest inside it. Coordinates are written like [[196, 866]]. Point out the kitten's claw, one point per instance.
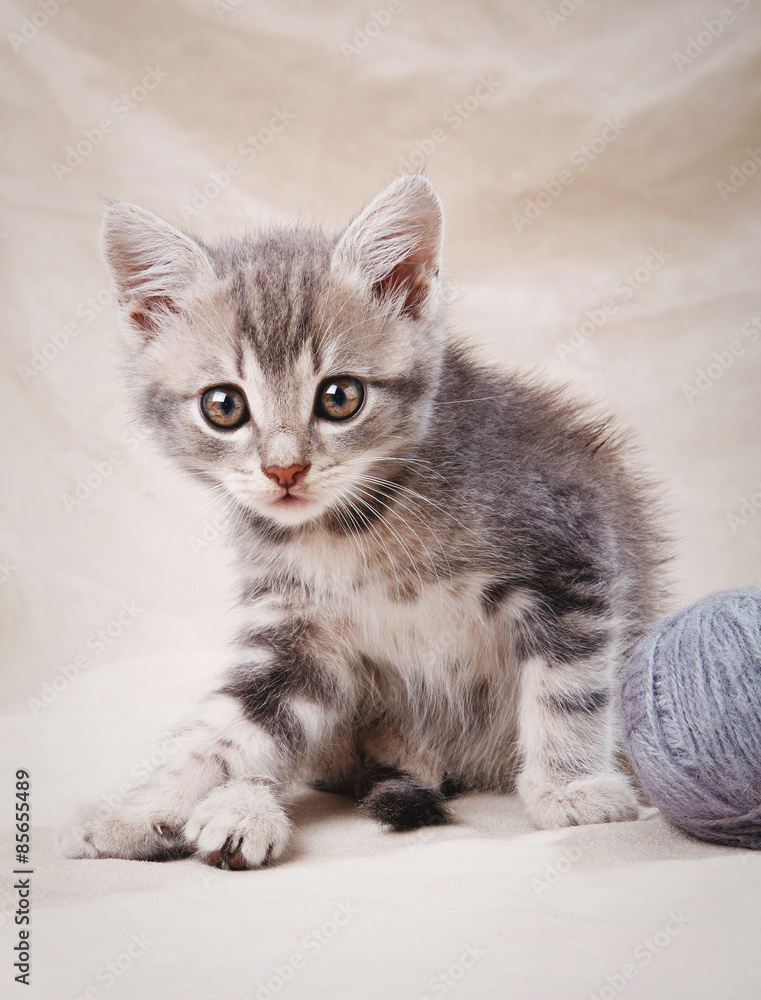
[[239, 825], [601, 798], [230, 858]]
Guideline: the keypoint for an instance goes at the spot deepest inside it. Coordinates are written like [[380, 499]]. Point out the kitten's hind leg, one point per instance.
[[146, 822], [568, 738], [276, 713], [397, 799]]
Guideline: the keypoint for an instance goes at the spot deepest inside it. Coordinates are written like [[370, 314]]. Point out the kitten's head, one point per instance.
[[286, 366]]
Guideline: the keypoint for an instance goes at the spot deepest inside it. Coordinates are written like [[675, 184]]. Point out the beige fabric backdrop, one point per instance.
[[599, 164]]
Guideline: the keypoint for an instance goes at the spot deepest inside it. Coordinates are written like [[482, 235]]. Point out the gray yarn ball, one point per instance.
[[692, 717]]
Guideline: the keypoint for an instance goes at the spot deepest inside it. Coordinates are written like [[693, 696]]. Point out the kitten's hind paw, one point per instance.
[[239, 825], [404, 803], [90, 836]]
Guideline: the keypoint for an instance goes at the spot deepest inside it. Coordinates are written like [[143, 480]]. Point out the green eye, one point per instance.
[[224, 406], [339, 398]]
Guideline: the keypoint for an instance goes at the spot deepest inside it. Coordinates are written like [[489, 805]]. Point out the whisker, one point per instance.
[[353, 533], [420, 496], [397, 458], [422, 543], [202, 491], [475, 399], [398, 537], [344, 304], [391, 560]]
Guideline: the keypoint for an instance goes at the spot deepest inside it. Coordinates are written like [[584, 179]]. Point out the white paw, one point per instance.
[[91, 836], [239, 825], [76, 842], [601, 798]]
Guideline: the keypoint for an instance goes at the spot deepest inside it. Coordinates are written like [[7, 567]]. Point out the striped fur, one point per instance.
[[448, 604]]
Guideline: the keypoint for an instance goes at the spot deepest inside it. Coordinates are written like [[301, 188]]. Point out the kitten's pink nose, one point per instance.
[[286, 477]]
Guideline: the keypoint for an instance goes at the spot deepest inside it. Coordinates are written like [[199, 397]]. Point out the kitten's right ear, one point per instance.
[[153, 264]]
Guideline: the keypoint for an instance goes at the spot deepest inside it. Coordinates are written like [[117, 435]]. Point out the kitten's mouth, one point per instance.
[[289, 498]]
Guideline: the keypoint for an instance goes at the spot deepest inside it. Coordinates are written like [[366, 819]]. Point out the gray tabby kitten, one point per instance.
[[442, 566]]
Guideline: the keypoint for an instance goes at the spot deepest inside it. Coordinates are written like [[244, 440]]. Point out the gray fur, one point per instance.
[[472, 560]]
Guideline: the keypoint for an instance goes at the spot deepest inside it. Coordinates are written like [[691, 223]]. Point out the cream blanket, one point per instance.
[[599, 163]]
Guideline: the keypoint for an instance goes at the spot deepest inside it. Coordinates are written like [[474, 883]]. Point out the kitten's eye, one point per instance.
[[339, 398], [224, 406]]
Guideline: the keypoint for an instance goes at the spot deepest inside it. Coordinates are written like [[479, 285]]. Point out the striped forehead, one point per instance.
[[278, 289]]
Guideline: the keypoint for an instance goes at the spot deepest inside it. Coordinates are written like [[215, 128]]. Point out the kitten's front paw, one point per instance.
[[601, 798], [239, 825], [90, 836]]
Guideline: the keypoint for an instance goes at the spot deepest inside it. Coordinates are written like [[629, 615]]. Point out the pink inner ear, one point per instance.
[[142, 319], [409, 278], [147, 313]]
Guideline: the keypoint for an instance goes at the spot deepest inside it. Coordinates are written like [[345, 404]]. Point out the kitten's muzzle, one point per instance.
[[286, 477]]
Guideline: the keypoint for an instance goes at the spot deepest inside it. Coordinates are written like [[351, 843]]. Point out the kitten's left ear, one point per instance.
[[396, 243], [154, 265]]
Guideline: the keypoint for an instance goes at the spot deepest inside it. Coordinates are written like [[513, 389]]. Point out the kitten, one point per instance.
[[442, 567]]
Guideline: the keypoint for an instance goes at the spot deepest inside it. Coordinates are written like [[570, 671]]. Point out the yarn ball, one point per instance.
[[692, 717]]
